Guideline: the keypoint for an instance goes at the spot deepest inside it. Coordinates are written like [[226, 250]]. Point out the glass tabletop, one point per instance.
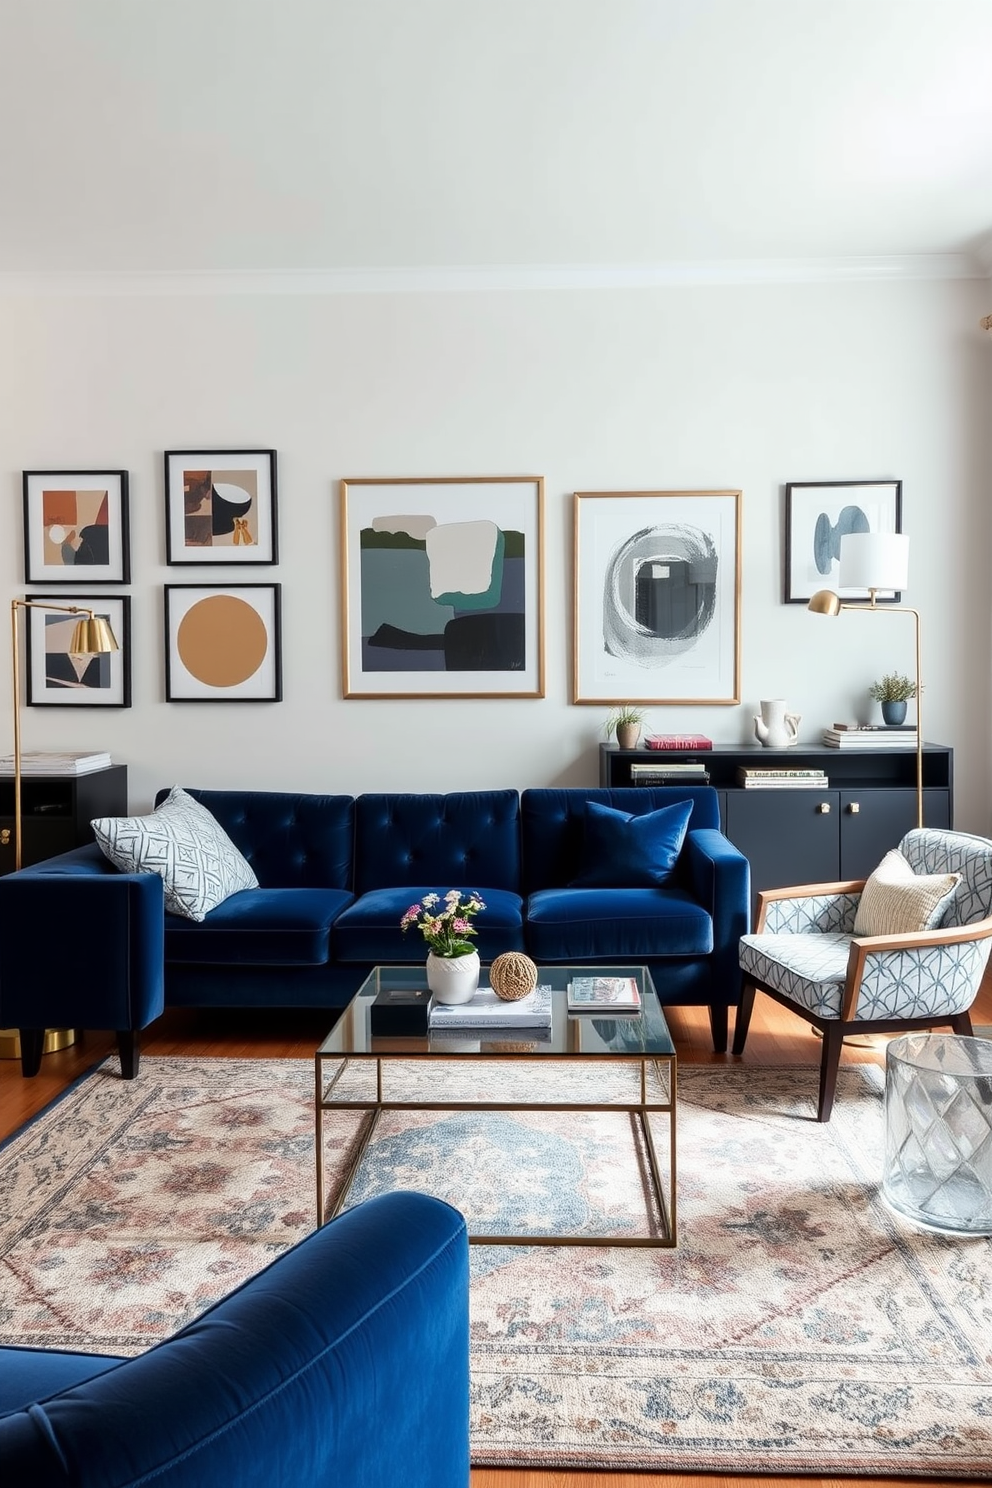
[[606, 1033]]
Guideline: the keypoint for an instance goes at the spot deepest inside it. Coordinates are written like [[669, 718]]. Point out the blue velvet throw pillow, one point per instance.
[[623, 851]]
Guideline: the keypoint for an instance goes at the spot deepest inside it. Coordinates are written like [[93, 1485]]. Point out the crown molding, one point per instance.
[[489, 278]]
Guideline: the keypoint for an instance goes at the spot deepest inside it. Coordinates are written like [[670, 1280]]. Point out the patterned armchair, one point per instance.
[[805, 955]]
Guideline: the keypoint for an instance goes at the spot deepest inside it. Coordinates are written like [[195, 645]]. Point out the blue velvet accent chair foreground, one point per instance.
[[345, 1362], [809, 954]]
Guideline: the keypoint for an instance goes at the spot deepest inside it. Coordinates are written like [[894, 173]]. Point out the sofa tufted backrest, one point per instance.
[[292, 841], [553, 821], [928, 850], [467, 839]]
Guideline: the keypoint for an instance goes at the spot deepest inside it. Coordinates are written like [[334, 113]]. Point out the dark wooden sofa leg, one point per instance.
[[743, 1021], [32, 1043], [718, 1026], [129, 1049]]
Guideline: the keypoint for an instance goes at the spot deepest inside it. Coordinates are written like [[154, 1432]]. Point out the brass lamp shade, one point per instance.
[[824, 602], [92, 637]]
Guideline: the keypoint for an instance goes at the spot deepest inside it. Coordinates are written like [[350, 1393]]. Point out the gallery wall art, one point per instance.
[[657, 597], [442, 587], [76, 527], [57, 678], [221, 506], [223, 643], [817, 516]]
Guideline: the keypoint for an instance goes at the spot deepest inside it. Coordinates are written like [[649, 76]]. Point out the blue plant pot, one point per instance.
[[893, 712]]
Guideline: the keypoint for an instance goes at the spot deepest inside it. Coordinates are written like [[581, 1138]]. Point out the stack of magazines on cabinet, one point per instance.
[[37, 763], [759, 779], [871, 736], [670, 772]]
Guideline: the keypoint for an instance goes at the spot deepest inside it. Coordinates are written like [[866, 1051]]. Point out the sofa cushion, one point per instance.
[[616, 925], [259, 927], [369, 931], [897, 901], [180, 841], [621, 850], [553, 822], [28, 1375], [465, 837]]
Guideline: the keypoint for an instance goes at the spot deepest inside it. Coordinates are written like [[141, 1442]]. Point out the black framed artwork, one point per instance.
[[817, 515]]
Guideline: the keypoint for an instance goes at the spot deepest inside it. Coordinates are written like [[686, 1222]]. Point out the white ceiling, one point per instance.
[[281, 136]]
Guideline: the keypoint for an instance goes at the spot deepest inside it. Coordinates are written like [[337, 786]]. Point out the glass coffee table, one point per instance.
[[589, 1061]]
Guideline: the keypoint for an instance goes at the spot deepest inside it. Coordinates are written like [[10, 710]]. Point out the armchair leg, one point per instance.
[[32, 1043], [129, 1049], [833, 1042], [718, 1027], [962, 1025], [743, 1021]]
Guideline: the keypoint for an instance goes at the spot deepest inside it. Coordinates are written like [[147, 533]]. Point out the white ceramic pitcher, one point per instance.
[[776, 728]]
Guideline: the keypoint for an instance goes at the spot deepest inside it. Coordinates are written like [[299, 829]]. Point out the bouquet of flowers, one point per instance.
[[447, 931]]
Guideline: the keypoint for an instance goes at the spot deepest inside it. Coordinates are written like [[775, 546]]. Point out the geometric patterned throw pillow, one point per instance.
[[897, 901], [198, 863]]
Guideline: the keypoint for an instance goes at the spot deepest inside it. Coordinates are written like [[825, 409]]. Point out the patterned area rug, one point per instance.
[[800, 1327]]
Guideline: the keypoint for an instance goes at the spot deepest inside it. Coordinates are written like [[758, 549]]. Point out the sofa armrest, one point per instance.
[[719, 877], [81, 947], [345, 1361]]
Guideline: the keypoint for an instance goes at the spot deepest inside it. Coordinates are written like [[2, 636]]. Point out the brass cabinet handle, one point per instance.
[[5, 835], [854, 807], [824, 808]]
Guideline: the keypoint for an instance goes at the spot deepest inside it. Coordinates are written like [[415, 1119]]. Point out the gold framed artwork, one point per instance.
[[442, 587], [220, 506], [76, 527], [657, 597], [223, 643]]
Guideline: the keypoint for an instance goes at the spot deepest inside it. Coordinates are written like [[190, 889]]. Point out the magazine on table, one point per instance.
[[486, 1010], [594, 993]]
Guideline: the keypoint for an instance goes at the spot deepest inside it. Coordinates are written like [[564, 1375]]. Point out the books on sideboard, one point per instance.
[[37, 763], [678, 741]]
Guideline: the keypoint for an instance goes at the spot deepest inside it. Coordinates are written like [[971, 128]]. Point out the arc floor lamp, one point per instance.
[[879, 562], [92, 636]]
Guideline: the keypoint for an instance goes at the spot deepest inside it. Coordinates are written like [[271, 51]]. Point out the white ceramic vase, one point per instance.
[[776, 728], [453, 979]]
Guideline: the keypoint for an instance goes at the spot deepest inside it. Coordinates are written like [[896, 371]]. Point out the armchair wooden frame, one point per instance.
[[835, 1030]]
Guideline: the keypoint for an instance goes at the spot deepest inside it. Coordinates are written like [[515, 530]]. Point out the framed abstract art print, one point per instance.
[[223, 643], [221, 506], [657, 597], [75, 527], [58, 678], [817, 515], [442, 587]]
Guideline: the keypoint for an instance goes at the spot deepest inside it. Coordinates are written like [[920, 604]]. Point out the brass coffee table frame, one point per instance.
[[381, 1051]]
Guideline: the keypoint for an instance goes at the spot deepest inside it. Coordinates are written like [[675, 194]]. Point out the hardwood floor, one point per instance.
[[776, 1037]]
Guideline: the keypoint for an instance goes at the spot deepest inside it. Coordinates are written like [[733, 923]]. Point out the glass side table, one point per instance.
[[938, 1131]]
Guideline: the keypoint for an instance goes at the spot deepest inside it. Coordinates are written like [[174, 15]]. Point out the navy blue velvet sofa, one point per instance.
[[345, 1361], [83, 945]]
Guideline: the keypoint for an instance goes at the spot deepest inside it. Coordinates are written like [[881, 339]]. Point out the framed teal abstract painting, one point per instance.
[[442, 592]]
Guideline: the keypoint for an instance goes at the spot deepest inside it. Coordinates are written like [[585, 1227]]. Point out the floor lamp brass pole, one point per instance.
[[825, 602]]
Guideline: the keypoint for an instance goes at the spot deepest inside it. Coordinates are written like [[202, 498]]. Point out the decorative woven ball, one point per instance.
[[512, 976]]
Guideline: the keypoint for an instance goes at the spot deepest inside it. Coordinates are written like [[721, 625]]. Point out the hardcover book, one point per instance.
[[591, 994], [486, 1010], [678, 741]]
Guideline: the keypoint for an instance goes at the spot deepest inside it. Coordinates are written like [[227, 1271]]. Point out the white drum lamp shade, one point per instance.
[[874, 560]]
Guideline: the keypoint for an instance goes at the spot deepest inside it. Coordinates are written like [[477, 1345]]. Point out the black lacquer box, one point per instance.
[[400, 1012]]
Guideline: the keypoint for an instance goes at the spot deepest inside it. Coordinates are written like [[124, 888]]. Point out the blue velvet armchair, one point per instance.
[[345, 1362]]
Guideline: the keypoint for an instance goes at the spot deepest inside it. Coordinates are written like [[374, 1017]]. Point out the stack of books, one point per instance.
[[757, 779], [871, 736], [595, 994], [678, 741], [670, 772], [486, 1010], [55, 764]]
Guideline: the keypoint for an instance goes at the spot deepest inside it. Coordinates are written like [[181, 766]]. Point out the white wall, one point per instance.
[[666, 388]]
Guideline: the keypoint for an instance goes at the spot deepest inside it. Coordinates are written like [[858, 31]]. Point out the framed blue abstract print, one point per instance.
[[817, 515], [441, 582]]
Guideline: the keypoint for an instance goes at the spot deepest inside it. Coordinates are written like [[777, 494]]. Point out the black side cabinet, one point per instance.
[[839, 831], [56, 811]]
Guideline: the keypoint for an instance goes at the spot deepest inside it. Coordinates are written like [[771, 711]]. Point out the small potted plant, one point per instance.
[[893, 692], [452, 961], [625, 721]]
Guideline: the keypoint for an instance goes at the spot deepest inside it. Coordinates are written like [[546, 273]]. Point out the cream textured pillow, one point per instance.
[[186, 846], [897, 901]]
